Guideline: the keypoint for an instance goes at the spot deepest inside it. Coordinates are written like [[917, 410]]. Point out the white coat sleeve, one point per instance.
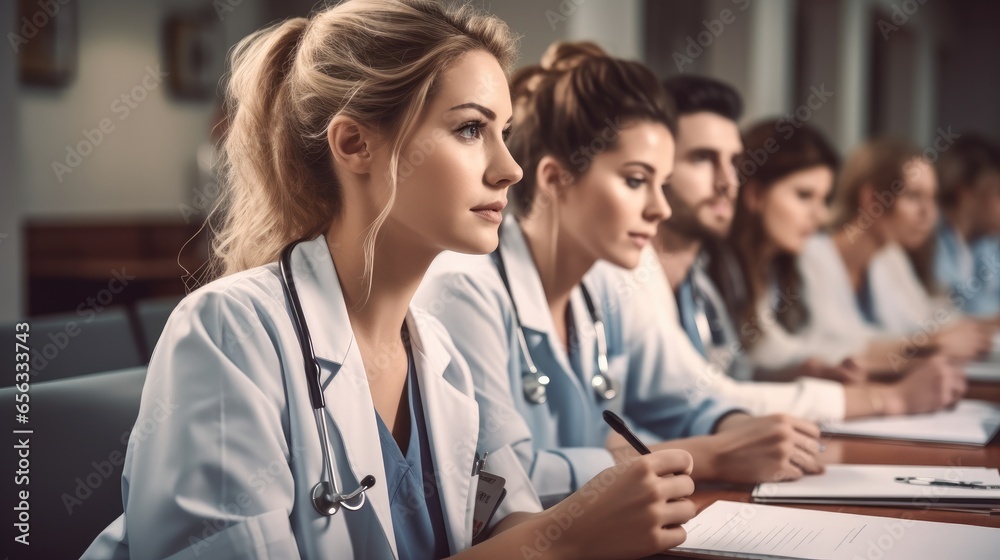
[[207, 470], [660, 393], [835, 328], [809, 398], [480, 324]]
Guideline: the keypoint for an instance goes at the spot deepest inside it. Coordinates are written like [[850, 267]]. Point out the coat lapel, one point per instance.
[[452, 429], [586, 339], [349, 405], [529, 297]]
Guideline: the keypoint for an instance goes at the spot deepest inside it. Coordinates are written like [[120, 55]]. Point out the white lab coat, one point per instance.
[[562, 442], [902, 305], [227, 473], [813, 399], [836, 328]]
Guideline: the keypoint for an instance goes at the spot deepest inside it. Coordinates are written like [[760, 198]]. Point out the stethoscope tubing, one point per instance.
[[534, 382], [326, 496]]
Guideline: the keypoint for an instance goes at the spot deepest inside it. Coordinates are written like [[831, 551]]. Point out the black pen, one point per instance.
[[618, 425]]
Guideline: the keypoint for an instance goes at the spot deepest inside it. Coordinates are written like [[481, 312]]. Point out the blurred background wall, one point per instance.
[[100, 171]]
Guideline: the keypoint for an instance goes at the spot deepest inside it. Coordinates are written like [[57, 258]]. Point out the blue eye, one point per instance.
[[635, 182], [471, 130]]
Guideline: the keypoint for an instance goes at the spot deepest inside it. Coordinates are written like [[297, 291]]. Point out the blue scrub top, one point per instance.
[[573, 348], [686, 310], [417, 517], [968, 272], [865, 300]]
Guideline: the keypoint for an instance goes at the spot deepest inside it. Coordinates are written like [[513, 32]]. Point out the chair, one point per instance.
[[68, 345], [152, 315], [76, 452]]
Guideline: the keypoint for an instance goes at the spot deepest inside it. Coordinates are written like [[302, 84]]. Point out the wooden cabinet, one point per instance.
[[76, 265]]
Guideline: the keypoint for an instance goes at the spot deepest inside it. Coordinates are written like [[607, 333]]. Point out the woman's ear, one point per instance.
[[551, 178], [350, 145]]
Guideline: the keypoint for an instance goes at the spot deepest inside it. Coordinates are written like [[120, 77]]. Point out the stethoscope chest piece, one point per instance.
[[535, 385], [605, 388], [327, 502]]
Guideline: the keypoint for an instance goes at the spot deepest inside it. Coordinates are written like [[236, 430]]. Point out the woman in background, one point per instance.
[[884, 208], [790, 295]]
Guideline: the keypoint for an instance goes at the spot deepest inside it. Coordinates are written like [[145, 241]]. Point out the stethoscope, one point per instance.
[[326, 495], [706, 318], [535, 383]]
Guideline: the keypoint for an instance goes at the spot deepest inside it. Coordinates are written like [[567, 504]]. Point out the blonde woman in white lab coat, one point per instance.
[[374, 132]]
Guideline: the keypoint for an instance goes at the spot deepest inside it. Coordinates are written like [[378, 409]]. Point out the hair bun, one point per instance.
[[564, 56], [559, 58]]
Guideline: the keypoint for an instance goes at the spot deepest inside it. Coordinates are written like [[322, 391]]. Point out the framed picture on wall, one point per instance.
[[46, 42], [195, 52]]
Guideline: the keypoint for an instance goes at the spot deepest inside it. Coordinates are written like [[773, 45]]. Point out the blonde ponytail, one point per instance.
[[375, 61]]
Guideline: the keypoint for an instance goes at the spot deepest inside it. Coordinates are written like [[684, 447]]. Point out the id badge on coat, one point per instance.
[[490, 493]]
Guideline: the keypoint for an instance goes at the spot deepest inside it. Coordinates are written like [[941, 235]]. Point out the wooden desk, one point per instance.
[[871, 451]]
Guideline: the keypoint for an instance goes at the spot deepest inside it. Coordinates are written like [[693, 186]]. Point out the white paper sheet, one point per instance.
[[866, 482], [764, 532], [970, 422]]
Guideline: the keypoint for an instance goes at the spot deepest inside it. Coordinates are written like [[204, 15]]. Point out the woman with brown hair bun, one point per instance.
[[552, 345]]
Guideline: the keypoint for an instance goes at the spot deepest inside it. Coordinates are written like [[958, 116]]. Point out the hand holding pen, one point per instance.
[[642, 501]]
